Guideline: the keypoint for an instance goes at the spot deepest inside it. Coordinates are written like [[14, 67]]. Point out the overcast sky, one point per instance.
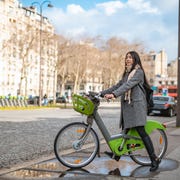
[[153, 22]]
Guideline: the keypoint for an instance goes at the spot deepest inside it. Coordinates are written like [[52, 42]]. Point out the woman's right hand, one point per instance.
[[109, 96]]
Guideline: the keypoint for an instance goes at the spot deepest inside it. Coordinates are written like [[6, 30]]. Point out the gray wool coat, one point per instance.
[[134, 113]]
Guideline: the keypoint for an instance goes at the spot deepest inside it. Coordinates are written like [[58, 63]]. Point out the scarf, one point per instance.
[[131, 74]]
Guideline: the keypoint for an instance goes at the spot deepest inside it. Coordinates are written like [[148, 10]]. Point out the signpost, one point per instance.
[[178, 76]]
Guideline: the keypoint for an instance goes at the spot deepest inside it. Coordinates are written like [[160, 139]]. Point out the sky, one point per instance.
[[152, 22]]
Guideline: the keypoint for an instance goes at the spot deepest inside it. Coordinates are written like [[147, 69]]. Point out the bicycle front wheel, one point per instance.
[[159, 140], [72, 148]]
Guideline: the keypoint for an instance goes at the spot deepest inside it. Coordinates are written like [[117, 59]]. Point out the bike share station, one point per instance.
[[80, 153]]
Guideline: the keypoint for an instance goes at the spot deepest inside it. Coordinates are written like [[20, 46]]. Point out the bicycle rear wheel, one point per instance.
[[159, 140], [72, 149]]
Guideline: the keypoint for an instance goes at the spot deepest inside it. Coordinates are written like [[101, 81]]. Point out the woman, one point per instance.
[[133, 102]]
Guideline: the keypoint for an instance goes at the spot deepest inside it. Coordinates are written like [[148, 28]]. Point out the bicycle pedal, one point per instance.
[[132, 146]]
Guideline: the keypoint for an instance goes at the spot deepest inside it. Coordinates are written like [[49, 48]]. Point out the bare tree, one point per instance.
[[50, 58], [26, 43], [90, 59], [115, 49], [78, 64], [63, 63], [22, 41]]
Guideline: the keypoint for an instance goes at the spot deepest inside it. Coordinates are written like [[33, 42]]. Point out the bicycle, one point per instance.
[[77, 143]]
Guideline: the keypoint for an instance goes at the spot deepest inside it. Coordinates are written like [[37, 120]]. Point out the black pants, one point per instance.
[[146, 140], [140, 130]]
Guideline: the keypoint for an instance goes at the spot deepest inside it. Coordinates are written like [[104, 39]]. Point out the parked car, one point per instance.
[[33, 100], [61, 100], [58, 100], [164, 105]]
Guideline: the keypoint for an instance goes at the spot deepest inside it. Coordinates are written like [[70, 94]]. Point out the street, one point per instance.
[[28, 135]]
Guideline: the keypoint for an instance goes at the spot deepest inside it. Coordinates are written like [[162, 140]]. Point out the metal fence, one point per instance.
[[13, 102]]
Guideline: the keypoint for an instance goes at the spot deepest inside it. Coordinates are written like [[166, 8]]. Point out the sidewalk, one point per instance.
[[175, 155]]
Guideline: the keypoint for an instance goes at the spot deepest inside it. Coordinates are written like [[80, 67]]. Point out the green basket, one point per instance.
[[82, 104]]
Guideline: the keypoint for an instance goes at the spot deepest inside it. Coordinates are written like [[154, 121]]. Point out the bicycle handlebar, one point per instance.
[[95, 97]]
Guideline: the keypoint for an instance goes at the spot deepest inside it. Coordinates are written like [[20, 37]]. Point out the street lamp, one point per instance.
[[40, 5]]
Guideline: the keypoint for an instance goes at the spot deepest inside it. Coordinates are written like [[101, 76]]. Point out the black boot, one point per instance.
[[150, 149], [154, 163]]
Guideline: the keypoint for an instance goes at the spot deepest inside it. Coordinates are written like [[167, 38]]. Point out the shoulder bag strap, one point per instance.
[[143, 90]]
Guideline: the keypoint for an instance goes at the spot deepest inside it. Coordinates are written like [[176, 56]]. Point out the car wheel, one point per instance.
[[170, 112]]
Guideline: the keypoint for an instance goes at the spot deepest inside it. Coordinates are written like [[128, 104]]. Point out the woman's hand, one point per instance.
[[109, 96]]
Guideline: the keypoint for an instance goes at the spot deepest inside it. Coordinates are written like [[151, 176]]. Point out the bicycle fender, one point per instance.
[[151, 125]]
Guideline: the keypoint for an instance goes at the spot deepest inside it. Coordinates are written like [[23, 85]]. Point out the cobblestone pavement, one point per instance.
[[29, 134]]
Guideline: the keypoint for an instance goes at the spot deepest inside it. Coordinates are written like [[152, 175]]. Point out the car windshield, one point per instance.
[[160, 98]]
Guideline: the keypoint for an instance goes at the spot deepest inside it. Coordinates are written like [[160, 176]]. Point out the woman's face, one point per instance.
[[129, 60]]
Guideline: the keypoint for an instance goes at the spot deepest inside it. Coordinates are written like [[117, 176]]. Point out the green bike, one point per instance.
[[77, 144]]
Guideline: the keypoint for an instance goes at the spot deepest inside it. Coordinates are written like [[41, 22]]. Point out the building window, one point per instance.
[[81, 87]]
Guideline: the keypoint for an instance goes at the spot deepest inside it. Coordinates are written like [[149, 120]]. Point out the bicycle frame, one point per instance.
[[123, 143]]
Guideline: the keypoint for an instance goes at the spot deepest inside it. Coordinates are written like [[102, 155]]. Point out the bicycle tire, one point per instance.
[[68, 150], [160, 143]]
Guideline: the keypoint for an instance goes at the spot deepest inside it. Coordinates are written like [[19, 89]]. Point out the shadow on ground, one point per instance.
[[100, 166]]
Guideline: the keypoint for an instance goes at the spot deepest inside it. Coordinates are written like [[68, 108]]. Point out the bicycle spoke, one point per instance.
[[81, 149]]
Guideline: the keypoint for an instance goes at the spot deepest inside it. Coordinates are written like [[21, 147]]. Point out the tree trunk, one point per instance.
[[76, 79]]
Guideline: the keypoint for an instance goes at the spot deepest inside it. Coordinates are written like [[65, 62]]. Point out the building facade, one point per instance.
[[148, 62], [24, 53], [161, 64], [164, 74], [172, 69]]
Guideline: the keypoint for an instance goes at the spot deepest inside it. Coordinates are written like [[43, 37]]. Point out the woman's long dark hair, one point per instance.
[[137, 60]]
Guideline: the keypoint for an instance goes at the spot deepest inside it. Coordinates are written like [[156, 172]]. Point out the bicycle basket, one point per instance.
[[82, 104]]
